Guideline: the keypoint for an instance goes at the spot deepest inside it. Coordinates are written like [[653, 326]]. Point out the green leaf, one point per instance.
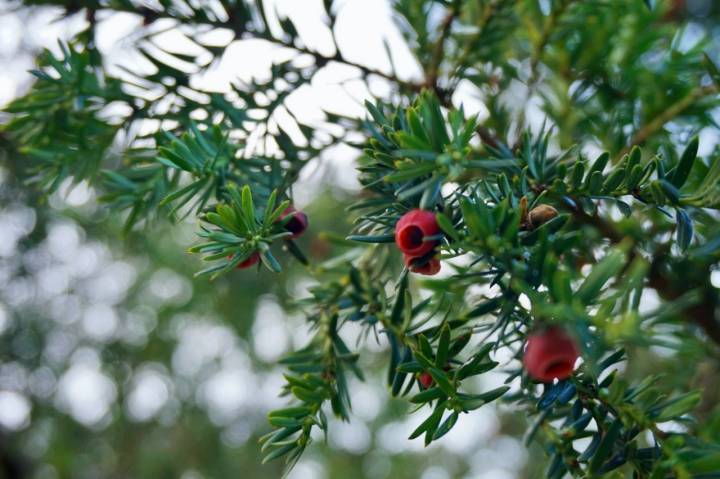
[[270, 262], [293, 412], [396, 315], [428, 395], [477, 400], [577, 175], [677, 406], [446, 426], [595, 183], [248, 208], [634, 158], [296, 252], [281, 421], [477, 218], [598, 166], [485, 307], [687, 159], [447, 226], [389, 238], [279, 452], [557, 467], [606, 446], [607, 268], [635, 175], [684, 229], [273, 438], [712, 69], [425, 347], [442, 380], [443, 348], [561, 286], [614, 180], [410, 172], [430, 424], [436, 417], [707, 463], [269, 207], [671, 193]]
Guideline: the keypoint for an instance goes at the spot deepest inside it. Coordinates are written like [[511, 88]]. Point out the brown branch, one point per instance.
[[488, 11], [235, 24], [431, 75], [488, 137], [674, 110], [702, 313], [322, 60], [548, 28]]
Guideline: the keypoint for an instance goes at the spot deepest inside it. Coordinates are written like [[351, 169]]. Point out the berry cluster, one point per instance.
[[416, 235], [550, 354]]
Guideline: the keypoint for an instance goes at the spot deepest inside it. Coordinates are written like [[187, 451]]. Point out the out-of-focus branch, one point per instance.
[[438, 50], [322, 60], [239, 29], [674, 110], [702, 313], [11, 465]]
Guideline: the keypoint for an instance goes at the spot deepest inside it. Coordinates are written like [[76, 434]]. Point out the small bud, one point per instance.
[[411, 230], [550, 354], [425, 380], [540, 215]]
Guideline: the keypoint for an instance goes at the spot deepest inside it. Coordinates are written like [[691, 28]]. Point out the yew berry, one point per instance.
[[550, 354], [411, 230], [250, 261], [428, 266], [298, 222], [425, 380]]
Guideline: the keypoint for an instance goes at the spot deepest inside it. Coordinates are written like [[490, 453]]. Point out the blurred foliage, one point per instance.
[[625, 89]]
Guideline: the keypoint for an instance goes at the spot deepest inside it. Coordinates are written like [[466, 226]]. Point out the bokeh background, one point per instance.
[[115, 362]]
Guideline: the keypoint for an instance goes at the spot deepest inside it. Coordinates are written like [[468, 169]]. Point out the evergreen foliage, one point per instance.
[[634, 207]]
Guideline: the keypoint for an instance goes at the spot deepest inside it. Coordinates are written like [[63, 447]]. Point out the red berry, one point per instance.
[[425, 380], [412, 228], [550, 354], [423, 265], [250, 261], [297, 224]]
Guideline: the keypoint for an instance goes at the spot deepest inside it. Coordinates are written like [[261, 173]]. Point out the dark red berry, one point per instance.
[[550, 354], [250, 261], [298, 222], [425, 380], [411, 230], [427, 265]]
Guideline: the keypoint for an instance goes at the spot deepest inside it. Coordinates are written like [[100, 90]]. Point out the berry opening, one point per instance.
[[411, 237], [426, 266], [558, 368]]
